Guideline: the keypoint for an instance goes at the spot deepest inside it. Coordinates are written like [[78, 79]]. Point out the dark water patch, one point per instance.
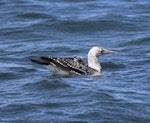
[[145, 61], [8, 75], [139, 41], [75, 1], [18, 111], [91, 115], [46, 84], [144, 8], [106, 95], [52, 105], [2, 3], [76, 51], [25, 71], [111, 65], [84, 26], [21, 6], [17, 2], [54, 84], [21, 33], [14, 33], [61, 49], [17, 107], [139, 60], [90, 26], [33, 15]]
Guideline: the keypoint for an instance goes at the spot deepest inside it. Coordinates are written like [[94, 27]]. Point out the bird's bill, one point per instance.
[[109, 52]]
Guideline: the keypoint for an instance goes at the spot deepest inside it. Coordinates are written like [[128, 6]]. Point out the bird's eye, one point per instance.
[[102, 51]]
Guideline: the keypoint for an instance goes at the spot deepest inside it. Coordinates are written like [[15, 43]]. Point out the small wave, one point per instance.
[[8, 76], [34, 16], [139, 41], [47, 84], [110, 65], [84, 25]]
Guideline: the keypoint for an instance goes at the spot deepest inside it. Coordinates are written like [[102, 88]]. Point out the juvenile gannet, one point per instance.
[[75, 66]]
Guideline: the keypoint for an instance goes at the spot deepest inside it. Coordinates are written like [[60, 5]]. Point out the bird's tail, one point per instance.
[[40, 62]]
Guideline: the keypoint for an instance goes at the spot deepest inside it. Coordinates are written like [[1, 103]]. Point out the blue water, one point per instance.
[[64, 28]]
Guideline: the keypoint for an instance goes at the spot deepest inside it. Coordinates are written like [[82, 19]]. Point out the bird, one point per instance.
[[73, 65]]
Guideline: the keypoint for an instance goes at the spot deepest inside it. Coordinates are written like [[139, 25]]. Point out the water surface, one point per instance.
[[64, 28]]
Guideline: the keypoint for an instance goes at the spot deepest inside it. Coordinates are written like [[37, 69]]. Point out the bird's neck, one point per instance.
[[93, 62]]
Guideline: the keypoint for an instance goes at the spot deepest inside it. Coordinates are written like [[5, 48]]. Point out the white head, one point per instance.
[[94, 53], [97, 51]]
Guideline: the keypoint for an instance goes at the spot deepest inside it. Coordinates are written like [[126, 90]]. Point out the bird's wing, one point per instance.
[[73, 65]]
